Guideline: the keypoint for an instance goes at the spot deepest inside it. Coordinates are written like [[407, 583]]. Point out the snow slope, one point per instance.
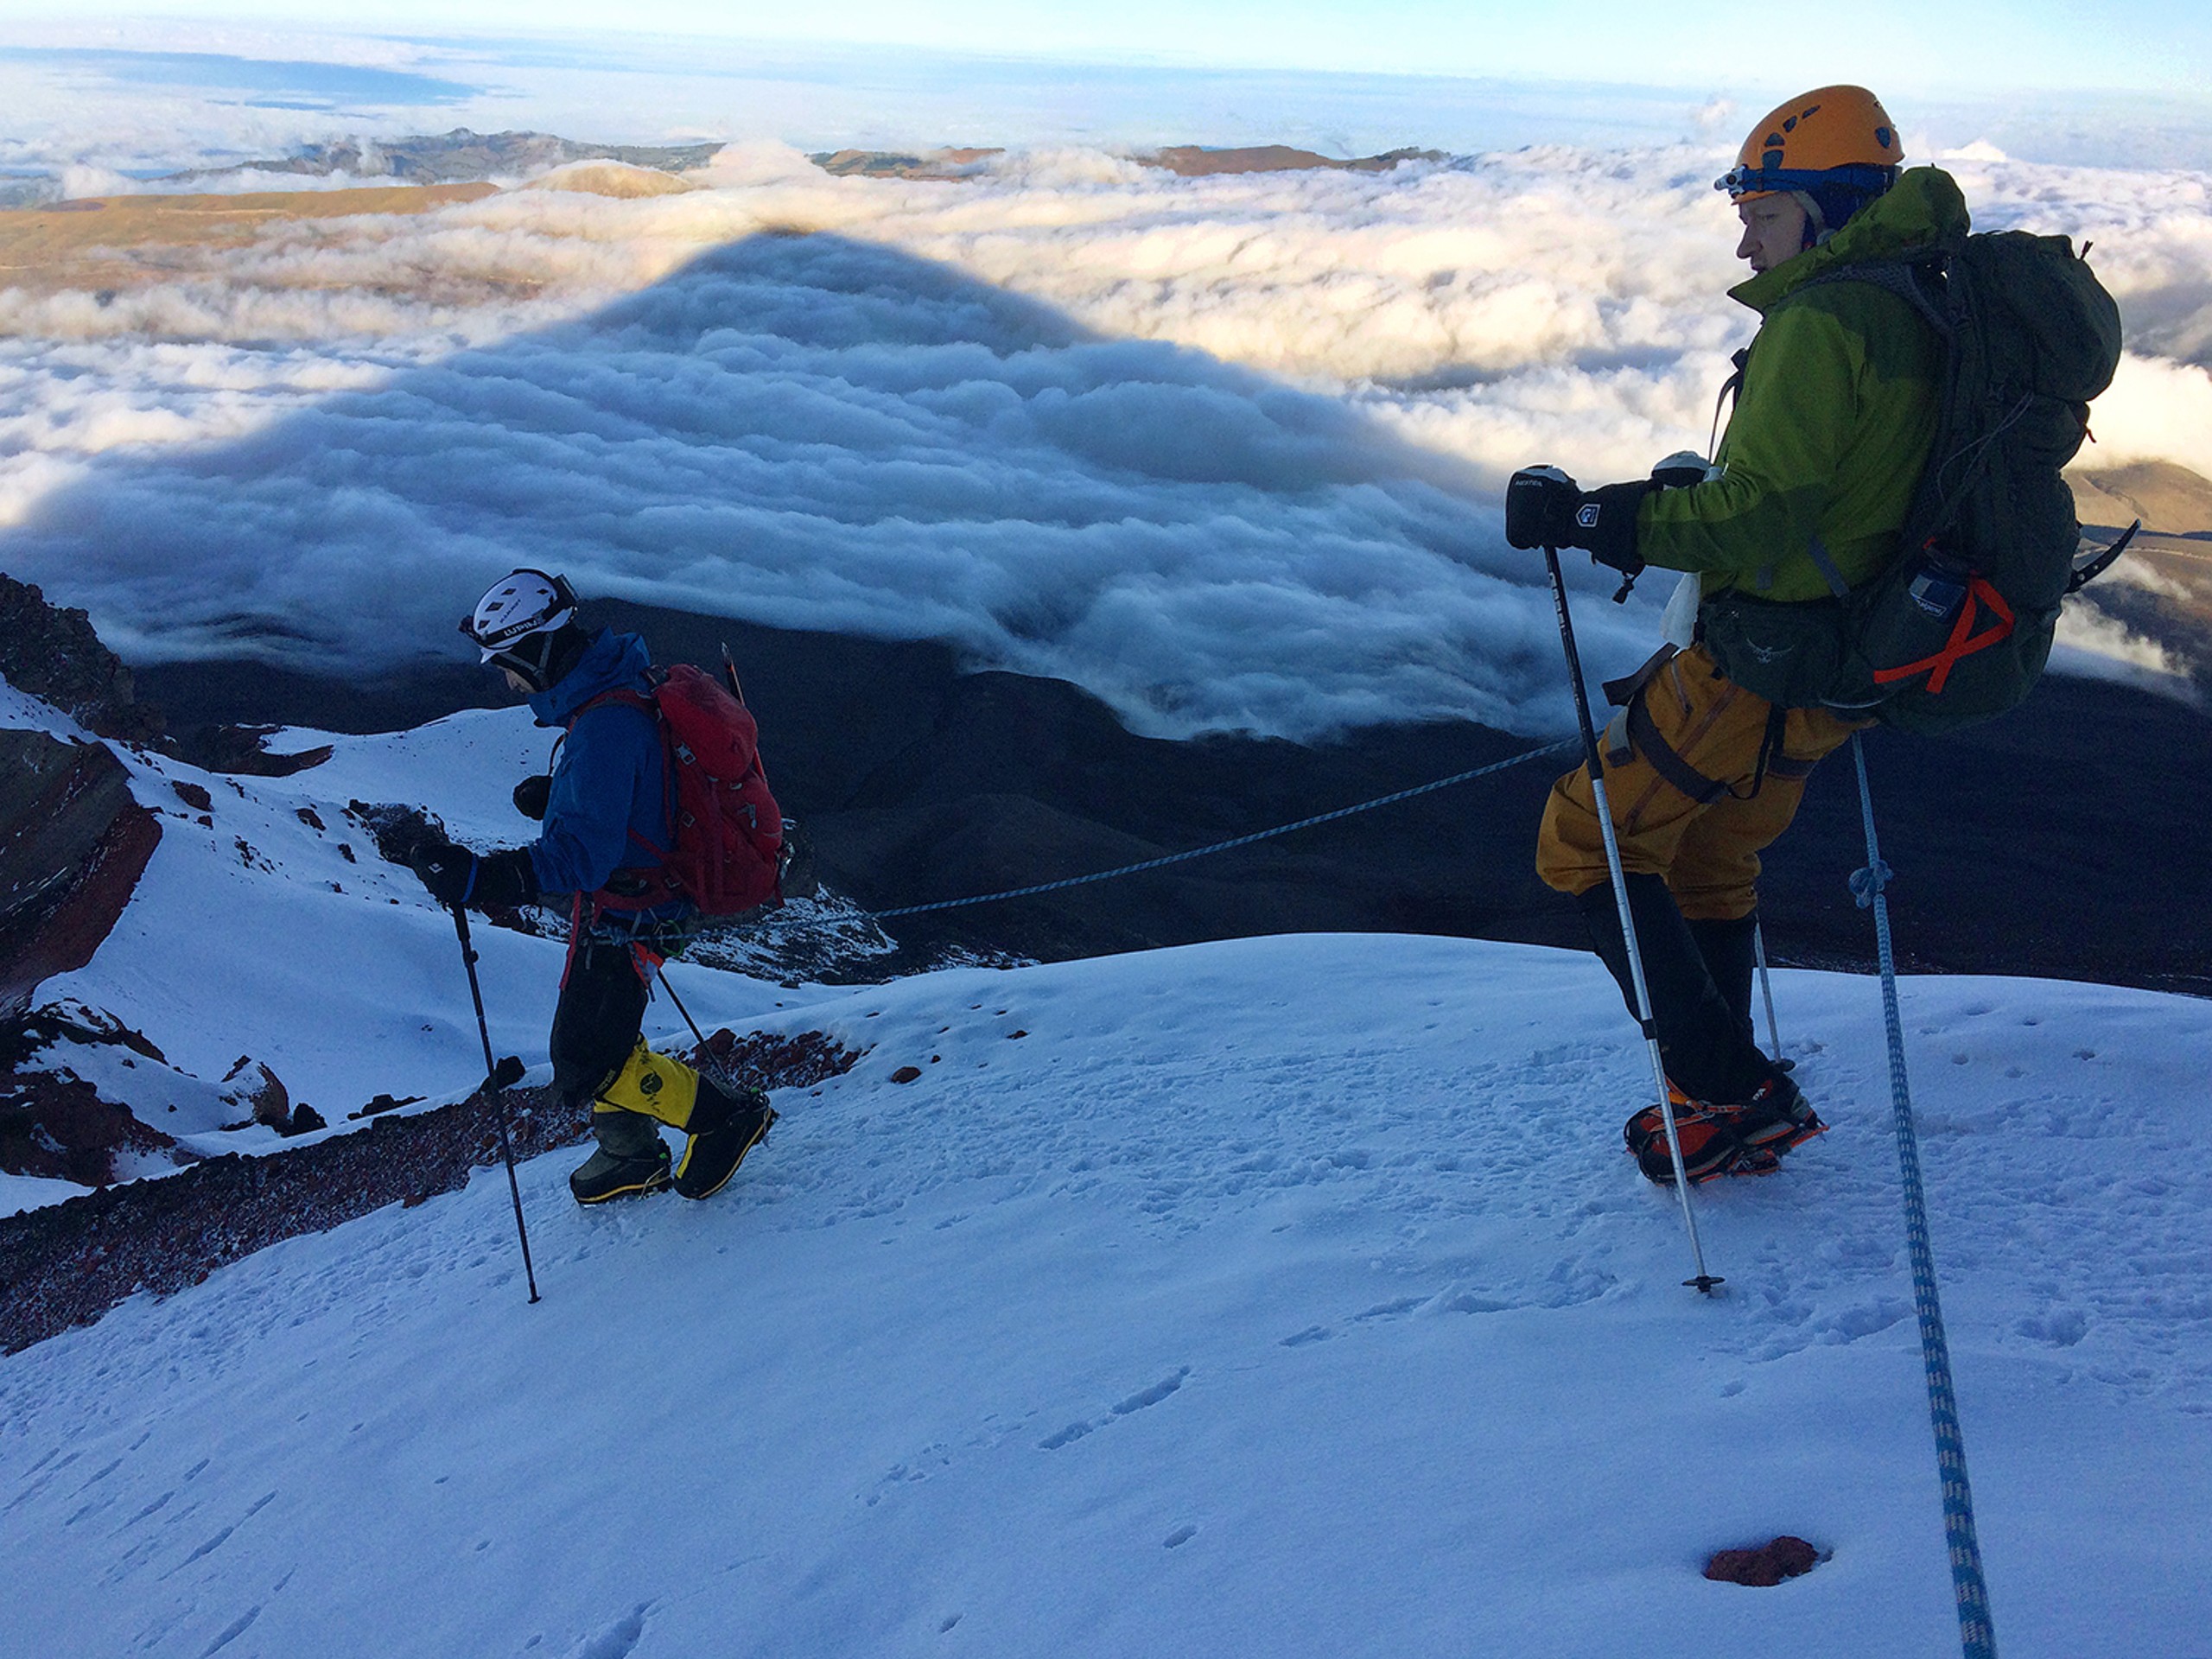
[[266, 925], [1282, 1296]]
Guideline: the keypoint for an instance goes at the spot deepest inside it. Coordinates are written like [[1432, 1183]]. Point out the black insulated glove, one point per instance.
[[1545, 508], [532, 795], [504, 879], [1604, 523], [1540, 507], [457, 877], [448, 871]]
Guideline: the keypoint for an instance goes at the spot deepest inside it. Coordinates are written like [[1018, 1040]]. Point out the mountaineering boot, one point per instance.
[[1707, 1054], [631, 1159], [723, 1129], [1724, 1139]]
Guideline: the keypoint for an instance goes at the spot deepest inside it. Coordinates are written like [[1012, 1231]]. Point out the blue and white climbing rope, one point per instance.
[[1239, 841], [1977, 1636]]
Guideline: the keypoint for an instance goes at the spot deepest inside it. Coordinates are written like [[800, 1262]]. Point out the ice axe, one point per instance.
[[499, 1076]]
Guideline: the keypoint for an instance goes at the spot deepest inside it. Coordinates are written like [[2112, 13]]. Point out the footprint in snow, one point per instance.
[[1139, 1401], [617, 1640], [234, 1629]]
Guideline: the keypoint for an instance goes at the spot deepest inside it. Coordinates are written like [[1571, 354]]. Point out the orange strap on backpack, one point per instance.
[[1963, 642]]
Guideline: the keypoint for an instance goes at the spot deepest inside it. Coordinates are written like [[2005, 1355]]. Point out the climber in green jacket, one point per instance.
[[1835, 414]]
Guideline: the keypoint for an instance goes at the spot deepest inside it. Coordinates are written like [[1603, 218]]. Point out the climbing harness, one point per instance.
[[1977, 1637]]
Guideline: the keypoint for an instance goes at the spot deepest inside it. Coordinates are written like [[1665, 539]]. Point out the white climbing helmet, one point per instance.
[[520, 604]]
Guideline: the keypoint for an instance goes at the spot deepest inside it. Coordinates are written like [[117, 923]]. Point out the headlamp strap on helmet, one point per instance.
[[1748, 180]]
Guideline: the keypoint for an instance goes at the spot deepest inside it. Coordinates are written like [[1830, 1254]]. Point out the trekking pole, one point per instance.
[[706, 1057], [498, 1075], [1977, 1636], [1766, 990], [1704, 1282]]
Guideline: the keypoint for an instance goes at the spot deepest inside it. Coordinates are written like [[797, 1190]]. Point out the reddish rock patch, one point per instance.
[[60, 1129], [262, 1091], [72, 845], [1765, 1566], [768, 1060], [70, 1262]]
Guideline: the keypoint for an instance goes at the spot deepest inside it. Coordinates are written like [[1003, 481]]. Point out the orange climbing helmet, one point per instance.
[[1834, 138]]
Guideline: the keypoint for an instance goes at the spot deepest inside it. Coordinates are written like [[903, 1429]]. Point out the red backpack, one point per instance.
[[729, 834]]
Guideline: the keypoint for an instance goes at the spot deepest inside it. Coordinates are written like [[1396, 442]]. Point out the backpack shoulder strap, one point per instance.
[[620, 695], [1918, 280], [623, 697]]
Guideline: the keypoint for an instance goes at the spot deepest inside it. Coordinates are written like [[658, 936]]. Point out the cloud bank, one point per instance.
[[1225, 451]]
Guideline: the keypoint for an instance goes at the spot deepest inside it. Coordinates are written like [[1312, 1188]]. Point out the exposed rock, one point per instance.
[[52, 654], [385, 1103], [764, 1059], [69, 1263], [72, 845], [397, 829], [55, 1124], [259, 1092], [60, 1129], [1765, 1566], [242, 749]]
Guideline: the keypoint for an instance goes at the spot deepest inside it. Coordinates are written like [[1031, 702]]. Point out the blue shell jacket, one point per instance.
[[610, 781]]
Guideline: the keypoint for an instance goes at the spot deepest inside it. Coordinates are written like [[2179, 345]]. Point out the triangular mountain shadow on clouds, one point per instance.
[[1201, 601]]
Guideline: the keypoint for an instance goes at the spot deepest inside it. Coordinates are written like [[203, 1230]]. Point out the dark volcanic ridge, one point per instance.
[[2062, 840]]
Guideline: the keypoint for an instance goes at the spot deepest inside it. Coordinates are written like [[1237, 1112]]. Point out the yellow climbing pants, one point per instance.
[[1701, 776]]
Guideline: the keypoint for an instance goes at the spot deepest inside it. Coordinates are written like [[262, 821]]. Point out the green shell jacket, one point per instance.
[[1834, 421]]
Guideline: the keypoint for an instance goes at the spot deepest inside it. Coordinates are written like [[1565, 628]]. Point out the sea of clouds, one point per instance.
[[1228, 451]]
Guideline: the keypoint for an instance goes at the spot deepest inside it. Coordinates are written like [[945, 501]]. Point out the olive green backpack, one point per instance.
[[1958, 627]]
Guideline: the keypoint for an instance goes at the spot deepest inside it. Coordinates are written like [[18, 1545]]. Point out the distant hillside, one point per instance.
[[2170, 500], [458, 157], [110, 244]]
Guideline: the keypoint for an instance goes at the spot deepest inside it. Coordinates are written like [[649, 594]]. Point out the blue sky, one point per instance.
[[187, 82], [1969, 46]]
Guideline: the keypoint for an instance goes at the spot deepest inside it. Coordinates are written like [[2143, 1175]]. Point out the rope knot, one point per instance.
[[1867, 883]]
